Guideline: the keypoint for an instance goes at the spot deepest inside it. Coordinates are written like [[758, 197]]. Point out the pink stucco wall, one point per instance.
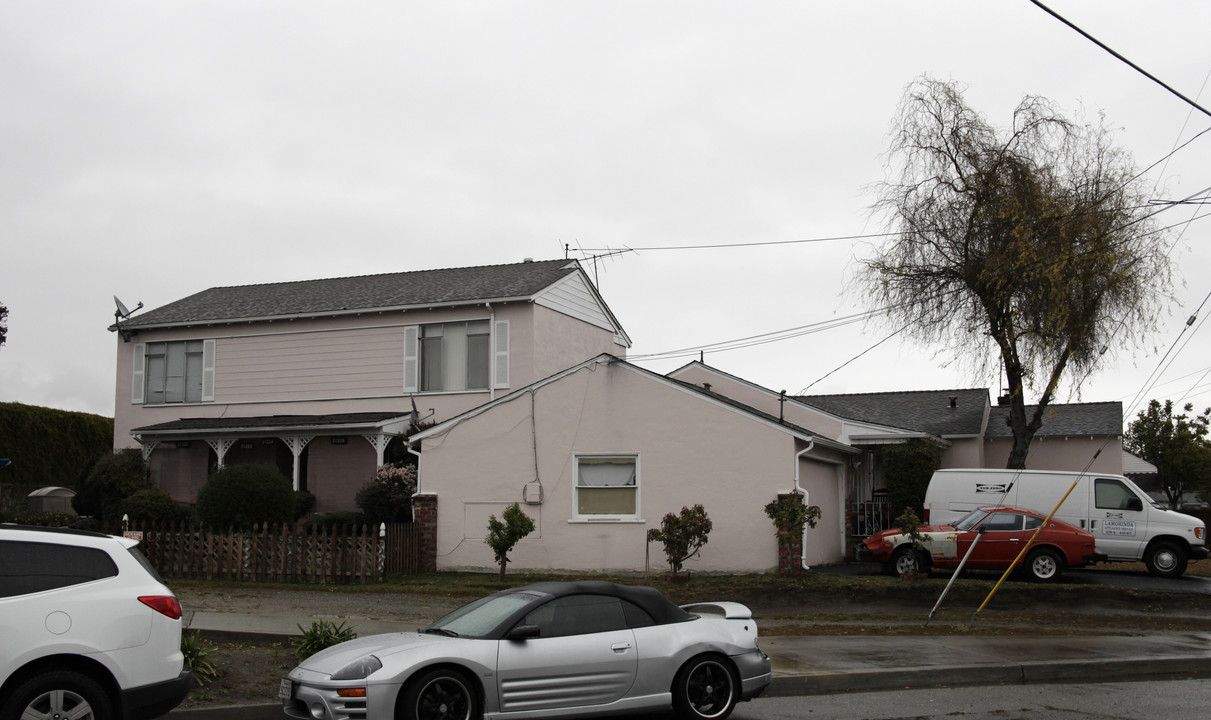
[[336, 472], [690, 449], [964, 453], [1073, 454], [180, 471]]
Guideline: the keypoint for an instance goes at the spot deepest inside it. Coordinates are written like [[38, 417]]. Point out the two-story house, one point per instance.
[[318, 377]]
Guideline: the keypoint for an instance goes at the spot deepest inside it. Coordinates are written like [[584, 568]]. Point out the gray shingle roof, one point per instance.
[[1105, 418], [268, 422], [926, 411], [450, 286]]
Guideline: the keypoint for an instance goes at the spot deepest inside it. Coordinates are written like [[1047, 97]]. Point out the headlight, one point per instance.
[[1199, 532], [358, 669]]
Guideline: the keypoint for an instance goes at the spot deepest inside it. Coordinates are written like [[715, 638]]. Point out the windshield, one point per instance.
[[479, 618], [971, 519]]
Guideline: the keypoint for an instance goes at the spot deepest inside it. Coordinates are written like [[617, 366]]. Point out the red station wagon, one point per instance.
[[1003, 532]]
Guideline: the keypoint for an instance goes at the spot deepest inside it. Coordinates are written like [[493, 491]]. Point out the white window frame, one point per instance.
[[139, 375], [577, 516], [496, 357]]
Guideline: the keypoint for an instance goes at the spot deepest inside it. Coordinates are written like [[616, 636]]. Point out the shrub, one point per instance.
[[154, 505], [790, 515], [388, 497], [304, 502], [322, 634], [113, 478], [40, 519], [197, 658], [907, 469], [682, 535], [344, 518], [502, 536], [239, 496]]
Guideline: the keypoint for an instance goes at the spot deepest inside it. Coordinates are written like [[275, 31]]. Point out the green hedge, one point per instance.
[[50, 447]]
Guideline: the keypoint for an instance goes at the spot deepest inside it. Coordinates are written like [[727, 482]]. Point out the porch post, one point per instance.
[[296, 443], [220, 447], [380, 442]]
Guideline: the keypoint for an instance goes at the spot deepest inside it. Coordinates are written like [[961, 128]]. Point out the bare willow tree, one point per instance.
[[1035, 236]]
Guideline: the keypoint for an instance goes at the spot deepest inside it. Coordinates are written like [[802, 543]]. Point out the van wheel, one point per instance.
[[1165, 559], [905, 561], [1044, 565]]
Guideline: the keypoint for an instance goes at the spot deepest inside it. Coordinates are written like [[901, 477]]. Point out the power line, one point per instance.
[[1110, 50]]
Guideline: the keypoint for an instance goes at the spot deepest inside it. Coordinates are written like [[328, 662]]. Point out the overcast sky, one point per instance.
[[152, 150]]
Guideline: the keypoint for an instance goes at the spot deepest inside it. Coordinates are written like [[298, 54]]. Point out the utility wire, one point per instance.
[[1110, 50]]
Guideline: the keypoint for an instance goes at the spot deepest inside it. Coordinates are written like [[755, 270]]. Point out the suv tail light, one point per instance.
[[166, 605]]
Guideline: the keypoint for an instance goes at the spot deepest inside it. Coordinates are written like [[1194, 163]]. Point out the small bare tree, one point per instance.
[[1036, 236]]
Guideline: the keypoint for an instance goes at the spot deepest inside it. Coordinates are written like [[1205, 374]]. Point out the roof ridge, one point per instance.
[[894, 392], [385, 274]]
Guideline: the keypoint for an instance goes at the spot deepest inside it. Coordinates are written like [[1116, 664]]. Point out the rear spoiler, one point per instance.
[[729, 610]]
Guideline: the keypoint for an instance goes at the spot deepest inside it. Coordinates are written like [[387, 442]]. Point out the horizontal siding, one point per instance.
[[573, 297], [316, 365]]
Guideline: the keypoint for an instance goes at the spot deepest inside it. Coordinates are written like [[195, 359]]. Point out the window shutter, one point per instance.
[[411, 358], [208, 347], [136, 381], [501, 355]]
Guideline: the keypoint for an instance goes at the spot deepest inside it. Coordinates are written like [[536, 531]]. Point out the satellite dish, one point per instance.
[[122, 312]]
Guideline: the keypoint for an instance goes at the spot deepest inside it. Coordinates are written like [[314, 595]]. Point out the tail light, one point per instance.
[[166, 605], [925, 520]]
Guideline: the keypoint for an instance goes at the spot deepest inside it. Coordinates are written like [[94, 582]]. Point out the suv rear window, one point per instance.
[[30, 567]]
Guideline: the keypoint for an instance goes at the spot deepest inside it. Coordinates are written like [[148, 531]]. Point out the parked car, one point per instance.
[[551, 649], [1002, 531], [89, 629]]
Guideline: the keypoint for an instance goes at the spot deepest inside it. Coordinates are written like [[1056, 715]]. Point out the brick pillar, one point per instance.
[[424, 514], [790, 555]]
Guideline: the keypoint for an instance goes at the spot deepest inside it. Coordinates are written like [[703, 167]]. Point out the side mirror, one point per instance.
[[524, 632], [1134, 503]]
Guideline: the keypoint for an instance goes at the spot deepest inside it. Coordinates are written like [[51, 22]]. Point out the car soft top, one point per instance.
[[662, 610]]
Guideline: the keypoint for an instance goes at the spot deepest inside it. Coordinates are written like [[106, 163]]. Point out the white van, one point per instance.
[[1127, 524]]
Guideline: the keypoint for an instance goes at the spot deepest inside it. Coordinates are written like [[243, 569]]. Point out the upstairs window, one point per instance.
[[455, 356], [174, 372]]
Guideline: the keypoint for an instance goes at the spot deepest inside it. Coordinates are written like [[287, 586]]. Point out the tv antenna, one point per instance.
[[121, 313]]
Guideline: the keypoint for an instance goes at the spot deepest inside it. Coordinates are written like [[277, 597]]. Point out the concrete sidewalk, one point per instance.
[[830, 664]]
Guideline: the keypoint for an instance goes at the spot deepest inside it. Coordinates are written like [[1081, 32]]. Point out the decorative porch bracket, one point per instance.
[[149, 447], [380, 442], [220, 447], [296, 443]]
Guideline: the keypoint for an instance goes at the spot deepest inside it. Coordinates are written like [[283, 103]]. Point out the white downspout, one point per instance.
[[811, 443], [408, 449]]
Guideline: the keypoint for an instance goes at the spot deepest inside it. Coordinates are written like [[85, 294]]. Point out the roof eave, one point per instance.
[[329, 313]]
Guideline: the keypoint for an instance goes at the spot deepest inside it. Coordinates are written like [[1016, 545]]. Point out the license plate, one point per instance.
[[286, 689]]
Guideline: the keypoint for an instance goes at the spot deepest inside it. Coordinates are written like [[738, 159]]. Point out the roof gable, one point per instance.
[[338, 296], [607, 359]]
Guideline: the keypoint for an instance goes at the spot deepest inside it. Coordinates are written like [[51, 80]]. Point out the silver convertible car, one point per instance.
[[552, 649]]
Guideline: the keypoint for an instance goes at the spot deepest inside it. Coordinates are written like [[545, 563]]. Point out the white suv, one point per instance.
[[88, 628]]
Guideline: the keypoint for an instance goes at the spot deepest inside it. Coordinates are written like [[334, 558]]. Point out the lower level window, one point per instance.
[[607, 487]]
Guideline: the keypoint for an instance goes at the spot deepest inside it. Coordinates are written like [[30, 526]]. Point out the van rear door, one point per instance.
[[1118, 518]]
